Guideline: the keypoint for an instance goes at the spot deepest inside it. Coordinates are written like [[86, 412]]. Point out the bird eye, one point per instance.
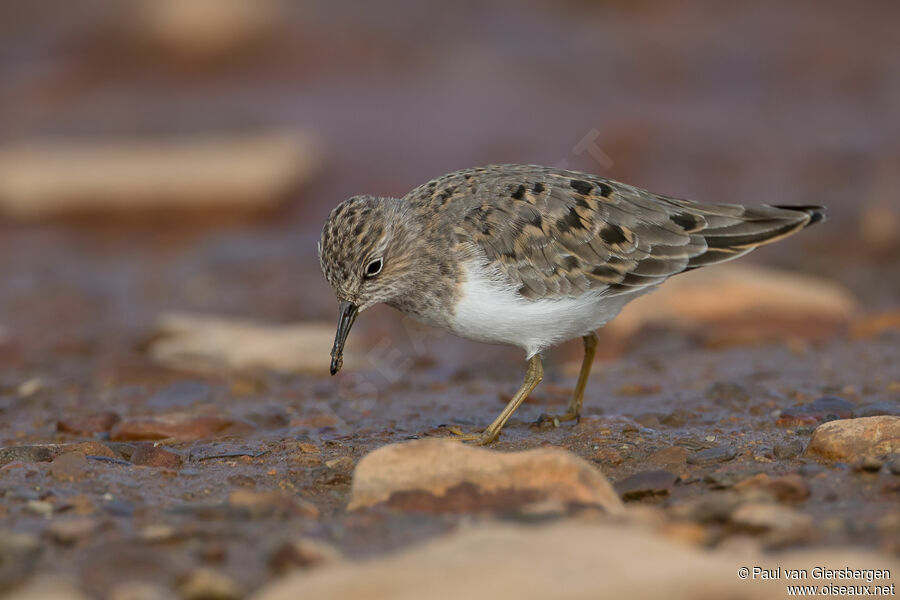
[[374, 268]]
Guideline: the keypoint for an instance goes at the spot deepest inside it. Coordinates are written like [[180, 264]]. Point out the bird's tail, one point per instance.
[[736, 230]]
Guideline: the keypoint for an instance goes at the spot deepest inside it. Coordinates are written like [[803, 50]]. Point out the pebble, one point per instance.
[[337, 471], [149, 455], [71, 466], [207, 584], [28, 453], [637, 389], [179, 396], [172, 426], [790, 488], [39, 507], [88, 424], [720, 480], [271, 504], [19, 556], [878, 409], [853, 439], [894, 465], [868, 464], [92, 449], [47, 587], [650, 420], [781, 524], [139, 590], [70, 532], [439, 476], [826, 408], [656, 483], [301, 553], [712, 455], [725, 391], [788, 449], [679, 417], [670, 457]]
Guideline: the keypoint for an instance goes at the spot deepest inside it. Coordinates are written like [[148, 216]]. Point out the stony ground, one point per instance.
[[167, 425]]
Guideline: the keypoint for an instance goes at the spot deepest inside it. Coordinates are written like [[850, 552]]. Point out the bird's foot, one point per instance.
[[477, 438], [555, 420]]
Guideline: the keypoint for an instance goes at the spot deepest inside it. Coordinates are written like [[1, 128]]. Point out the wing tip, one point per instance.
[[817, 214]]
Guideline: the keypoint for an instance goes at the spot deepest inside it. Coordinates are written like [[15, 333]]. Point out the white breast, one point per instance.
[[490, 310]]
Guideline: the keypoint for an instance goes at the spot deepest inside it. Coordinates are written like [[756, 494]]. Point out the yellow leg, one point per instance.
[[573, 412], [533, 376]]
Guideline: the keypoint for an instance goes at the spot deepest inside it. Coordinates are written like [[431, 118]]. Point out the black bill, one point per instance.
[[345, 322]]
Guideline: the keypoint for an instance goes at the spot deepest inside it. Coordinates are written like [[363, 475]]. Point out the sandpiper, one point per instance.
[[529, 256]]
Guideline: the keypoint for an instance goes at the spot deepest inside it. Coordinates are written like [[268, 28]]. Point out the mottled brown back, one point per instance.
[[556, 233]]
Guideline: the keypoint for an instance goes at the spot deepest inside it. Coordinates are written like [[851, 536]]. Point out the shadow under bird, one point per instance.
[[529, 256]]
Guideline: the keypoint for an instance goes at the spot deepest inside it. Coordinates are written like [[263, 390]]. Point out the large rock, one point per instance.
[[565, 561], [248, 171], [850, 439], [737, 293], [212, 343], [447, 476]]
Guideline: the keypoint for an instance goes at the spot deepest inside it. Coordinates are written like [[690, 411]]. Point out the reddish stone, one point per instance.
[[148, 455], [88, 424], [174, 426], [813, 413], [272, 503], [70, 466], [92, 449], [790, 488]]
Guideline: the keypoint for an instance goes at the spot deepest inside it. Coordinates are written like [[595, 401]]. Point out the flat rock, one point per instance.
[[206, 343], [670, 457], [850, 439], [736, 292], [646, 484], [447, 476], [173, 426], [878, 409], [302, 553], [826, 408], [148, 455], [710, 456], [271, 504], [788, 449], [88, 424], [70, 466], [565, 561], [41, 179], [29, 453], [782, 523]]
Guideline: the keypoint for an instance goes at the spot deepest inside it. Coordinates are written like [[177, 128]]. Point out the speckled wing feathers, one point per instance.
[[555, 233]]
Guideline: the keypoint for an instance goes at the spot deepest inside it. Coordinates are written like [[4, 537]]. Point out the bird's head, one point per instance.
[[365, 255]]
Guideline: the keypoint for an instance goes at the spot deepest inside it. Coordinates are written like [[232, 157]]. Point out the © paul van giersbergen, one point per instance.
[[529, 256]]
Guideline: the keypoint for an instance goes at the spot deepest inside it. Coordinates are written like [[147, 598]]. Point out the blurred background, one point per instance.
[[167, 156], [165, 170]]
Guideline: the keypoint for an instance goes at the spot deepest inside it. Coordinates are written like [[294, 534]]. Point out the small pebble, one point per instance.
[[869, 464], [646, 484], [894, 466], [788, 449], [712, 455]]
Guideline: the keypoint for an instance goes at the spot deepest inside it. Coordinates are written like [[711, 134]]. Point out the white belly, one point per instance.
[[492, 311]]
